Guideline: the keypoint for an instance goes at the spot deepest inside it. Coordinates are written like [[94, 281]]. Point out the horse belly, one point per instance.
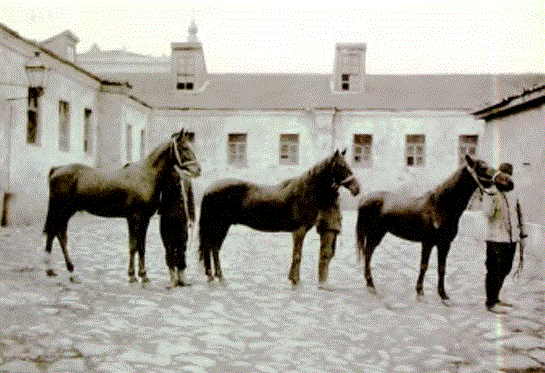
[[410, 228]]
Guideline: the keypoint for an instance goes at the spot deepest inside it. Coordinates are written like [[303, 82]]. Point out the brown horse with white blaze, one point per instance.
[[132, 191]]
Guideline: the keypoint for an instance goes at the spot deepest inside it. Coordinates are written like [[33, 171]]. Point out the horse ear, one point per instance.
[[343, 152]]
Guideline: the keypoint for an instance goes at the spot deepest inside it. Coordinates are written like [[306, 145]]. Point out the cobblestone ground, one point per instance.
[[256, 322]]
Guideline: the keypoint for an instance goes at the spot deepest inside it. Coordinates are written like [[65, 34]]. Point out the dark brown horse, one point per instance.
[[132, 192], [290, 206], [431, 219]]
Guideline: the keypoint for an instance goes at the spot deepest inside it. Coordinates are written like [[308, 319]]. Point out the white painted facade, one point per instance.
[[25, 166]]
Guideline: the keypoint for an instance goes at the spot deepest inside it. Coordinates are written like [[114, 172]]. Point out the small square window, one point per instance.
[[345, 86], [180, 86], [345, 77], [189, 86]]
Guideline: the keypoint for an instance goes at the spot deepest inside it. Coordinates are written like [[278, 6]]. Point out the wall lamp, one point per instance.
[[37, 73]]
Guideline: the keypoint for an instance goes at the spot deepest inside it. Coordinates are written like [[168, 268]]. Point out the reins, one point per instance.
[[184, 198]]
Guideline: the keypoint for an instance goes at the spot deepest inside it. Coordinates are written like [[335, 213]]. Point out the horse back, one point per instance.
[[270, 208]]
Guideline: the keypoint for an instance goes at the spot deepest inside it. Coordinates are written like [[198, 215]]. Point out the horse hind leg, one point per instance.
[[47, 257], [63, 241], [369, 245]]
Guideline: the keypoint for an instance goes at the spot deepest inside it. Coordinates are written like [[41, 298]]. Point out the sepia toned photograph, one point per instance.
[[225, 187]]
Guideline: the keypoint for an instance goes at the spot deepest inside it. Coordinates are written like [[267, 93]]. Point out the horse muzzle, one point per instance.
[[352, 184], [192, 168]]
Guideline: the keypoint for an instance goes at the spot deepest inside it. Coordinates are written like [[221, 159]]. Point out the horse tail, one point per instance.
[[204, 233], [367, 211], [361, 237]]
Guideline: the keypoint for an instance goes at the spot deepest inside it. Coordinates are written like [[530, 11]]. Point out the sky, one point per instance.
[[402, 37]]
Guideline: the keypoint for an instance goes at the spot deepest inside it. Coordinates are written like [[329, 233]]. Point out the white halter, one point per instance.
[[478, 179]]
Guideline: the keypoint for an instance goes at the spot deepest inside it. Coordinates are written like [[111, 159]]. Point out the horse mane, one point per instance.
[[302, 185]]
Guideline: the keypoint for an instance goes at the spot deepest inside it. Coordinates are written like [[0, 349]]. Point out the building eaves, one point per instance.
[[53, 55], [528, 98]]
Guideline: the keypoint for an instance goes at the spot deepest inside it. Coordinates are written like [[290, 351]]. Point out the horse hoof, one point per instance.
[[447, 302], [132, 280], [75, 280], [144, 279], [372, 290], [50, 273], [420, 298], [183, 284], [210, 278]]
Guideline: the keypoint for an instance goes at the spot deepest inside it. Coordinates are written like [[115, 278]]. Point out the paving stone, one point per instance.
[[115, 367], [19, 366], [539, 355], [523, 342], [90, 349], [516, 362], [67, 365], [199, 360]]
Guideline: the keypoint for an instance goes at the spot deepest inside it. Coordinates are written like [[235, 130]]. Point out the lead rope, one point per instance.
[[185, 202]]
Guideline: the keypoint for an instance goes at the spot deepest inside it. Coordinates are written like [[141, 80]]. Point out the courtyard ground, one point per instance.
[[256, 322]]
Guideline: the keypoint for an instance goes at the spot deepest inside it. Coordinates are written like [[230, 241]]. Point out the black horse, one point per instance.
[[132, 192], [290, 206], [431, 219]]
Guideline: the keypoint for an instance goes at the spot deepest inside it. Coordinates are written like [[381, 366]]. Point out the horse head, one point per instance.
[[485, 176], [184, 155], [342, 174]]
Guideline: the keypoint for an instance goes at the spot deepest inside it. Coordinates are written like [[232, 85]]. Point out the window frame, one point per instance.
[[362, 146], [237, 148], [412, 156], [64, 126], [288, 150]]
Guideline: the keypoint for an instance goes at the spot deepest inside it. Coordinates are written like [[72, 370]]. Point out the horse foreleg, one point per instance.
[[442, 253], [426, 251], [328, 240], [47, 256], [141, 242], [298, 238]]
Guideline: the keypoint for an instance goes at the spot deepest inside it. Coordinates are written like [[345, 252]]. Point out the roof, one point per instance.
[[300, 91], [527, 98]]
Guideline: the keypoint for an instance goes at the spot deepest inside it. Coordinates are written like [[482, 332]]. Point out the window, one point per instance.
[[289, 149], [362, 151], [415, 150], [236, 149], [70, 53], [186, 73], [467, 144], [350, 67], [87, 132], [33, 117], [128, 142], [64, 126], [142, 144]]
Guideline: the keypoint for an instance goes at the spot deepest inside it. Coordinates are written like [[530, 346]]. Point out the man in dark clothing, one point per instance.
[[504, 217], [328, 226], [177, 214]]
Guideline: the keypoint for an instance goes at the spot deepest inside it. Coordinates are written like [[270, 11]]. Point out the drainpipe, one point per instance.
[[7, 195], [333, 129]]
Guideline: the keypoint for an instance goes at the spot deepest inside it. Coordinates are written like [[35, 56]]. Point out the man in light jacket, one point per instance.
[[502, 210]]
